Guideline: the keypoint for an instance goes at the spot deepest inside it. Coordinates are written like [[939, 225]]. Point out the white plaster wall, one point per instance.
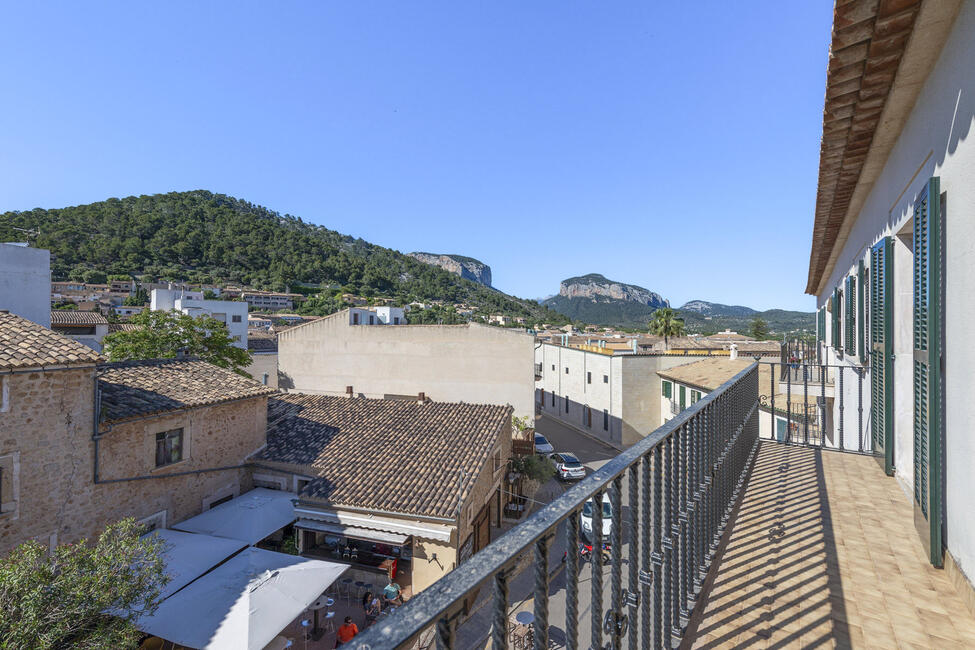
[[449, 363], [25, 282], [937, 141]]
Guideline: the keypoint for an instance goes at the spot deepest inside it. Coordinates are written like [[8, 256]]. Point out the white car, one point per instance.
[[567, 466], [542, 445], [586, 517]]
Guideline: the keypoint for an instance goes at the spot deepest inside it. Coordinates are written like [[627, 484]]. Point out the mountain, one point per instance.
[[204, 237], [716, 309], [595, 299], [465, 267]]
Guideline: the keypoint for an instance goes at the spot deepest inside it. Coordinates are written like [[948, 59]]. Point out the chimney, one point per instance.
[[349, 392], [734, 350], [421, 398]]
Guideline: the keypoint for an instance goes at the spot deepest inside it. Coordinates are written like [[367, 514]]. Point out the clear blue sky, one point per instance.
[[664, 145]]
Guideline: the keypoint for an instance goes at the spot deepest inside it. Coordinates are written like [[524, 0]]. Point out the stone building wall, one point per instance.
[[47, 455]]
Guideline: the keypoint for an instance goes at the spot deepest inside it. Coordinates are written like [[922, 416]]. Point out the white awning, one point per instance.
[[250, 517], [373, 522], [188, 556], [244, 603], [367, 534]]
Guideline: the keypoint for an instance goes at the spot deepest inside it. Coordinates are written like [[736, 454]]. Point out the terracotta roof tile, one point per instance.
[[400, 456], [75, 317], [707, 374], [25, 344], [135, 388]]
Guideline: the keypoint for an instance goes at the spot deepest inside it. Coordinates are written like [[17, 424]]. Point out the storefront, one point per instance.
[[364, 548]]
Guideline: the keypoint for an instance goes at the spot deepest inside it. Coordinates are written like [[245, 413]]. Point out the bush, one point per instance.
[[537, 468]]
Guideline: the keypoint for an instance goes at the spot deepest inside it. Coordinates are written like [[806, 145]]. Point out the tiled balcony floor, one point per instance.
[[823, 553]]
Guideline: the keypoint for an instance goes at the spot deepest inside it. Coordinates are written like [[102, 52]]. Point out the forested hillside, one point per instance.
[[204, 237]]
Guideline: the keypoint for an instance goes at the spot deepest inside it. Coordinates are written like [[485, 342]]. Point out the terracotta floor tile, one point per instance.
[[853, 578]]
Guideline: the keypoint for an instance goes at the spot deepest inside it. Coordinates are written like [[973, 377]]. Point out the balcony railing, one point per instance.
[[675, 407], [681, 482]]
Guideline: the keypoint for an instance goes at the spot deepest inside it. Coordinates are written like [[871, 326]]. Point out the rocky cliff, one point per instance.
[[465, 267], [596, 287]]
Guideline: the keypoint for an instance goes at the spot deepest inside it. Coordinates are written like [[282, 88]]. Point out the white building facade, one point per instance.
[[232, 313], [25, 282], [893, 272]]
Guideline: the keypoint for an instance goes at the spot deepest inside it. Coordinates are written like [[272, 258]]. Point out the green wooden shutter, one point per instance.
[[821, 325], [850, 344], [683, 398], [666, 389], [835, 342], [881, 350], [861, 288], [927, 368]]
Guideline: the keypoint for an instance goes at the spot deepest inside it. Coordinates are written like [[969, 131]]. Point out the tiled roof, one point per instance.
[[25, 344], [135, 388], [122, 327], [75, 317], [262, 342], [706, 374], [400, 456]]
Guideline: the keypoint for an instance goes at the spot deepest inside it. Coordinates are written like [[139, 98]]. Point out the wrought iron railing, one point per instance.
[[682, 483], [816, 405], [675, 407]]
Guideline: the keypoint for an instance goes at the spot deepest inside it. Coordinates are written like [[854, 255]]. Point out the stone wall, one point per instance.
[[47, 454]]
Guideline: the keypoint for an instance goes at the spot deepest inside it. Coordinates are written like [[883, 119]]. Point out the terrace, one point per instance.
[[723, 538]]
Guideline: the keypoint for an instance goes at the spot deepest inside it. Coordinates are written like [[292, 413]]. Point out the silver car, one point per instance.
[[567, 466]]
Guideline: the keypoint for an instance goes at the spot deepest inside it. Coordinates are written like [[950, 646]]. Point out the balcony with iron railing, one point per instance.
[[725, 534]]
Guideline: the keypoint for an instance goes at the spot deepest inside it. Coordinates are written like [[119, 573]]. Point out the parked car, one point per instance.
[[542, 445], [586, 517], [567, 466]]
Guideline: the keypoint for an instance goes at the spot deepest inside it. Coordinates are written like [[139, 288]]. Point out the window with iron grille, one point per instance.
[[169, 447]]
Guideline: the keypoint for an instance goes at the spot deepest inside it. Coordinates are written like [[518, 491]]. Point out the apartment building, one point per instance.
[[422, 477], [25, 282], [84, 443], [231, 313], [269, 300], [343, 354], [891, 263], [611, 395]]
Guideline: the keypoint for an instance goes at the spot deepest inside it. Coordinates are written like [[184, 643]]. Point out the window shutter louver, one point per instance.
[[881, 349], [850, 344], [861, 288], [835, 334], [927, 368]]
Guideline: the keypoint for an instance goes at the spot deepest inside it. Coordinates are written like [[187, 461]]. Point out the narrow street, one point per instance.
[[475, 630]]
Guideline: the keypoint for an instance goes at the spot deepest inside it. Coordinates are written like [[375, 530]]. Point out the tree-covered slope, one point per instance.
[[204, 237]]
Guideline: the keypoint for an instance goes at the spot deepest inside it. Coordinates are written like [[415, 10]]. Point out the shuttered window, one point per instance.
[[850, 342], [835, 334], [861, 315], [881, 349], [666, 389], [821, 325]]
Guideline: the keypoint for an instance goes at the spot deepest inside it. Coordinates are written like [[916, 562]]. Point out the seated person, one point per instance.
[[391, 594], [372, 606], [346, 631]]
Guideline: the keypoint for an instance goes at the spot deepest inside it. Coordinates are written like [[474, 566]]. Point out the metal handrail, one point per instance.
[[691, 468]]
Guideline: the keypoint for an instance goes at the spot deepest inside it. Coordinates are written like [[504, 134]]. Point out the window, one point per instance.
[[553, 366], [235, 318], [4, 395], [169, 447], [355, 318], [683, 397], [588, 377], [605, 420], [566, 403], [395, 320], [497, 461], [667, 389], [154, 522], [301, 484], [372, 320], [567, 370], [851, 319], [553, 399], [217, 502], [695, 396], [270, 482], [605, 379], [9, 482]]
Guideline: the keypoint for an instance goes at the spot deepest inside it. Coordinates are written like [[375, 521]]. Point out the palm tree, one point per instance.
[[666, 324]]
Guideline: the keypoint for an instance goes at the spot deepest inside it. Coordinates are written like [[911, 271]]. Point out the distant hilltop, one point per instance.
[[595, 285], [465, 267], [706, 308]]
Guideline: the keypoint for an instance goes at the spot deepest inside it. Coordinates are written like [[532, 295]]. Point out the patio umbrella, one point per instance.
[[244, 603]]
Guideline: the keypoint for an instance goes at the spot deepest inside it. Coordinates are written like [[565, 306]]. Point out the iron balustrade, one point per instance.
[[683, 481], [818, 405], [675, 407]]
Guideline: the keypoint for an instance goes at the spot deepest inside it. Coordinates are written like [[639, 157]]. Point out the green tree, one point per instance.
[[666, 324], [140, 297], [91, 276], [59, 600], [209, 295], [164, 334], [759, 328]]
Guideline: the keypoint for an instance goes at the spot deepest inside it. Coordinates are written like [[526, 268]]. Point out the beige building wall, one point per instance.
[[47, 454], [449, 363]]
